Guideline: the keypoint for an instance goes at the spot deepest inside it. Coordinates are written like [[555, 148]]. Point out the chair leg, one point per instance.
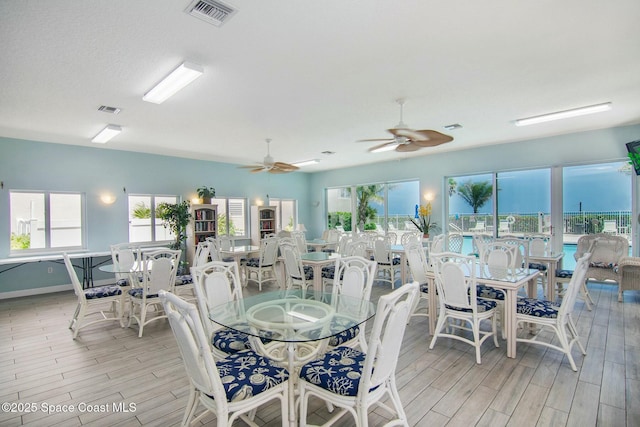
[[74, 319], [587, 296], [79, 319], [192, 405]]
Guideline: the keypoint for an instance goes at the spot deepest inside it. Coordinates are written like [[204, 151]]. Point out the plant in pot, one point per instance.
[[206, 193], [176, 216]]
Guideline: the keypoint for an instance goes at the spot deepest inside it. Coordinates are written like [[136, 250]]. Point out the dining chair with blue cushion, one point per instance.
[[554, 316], [354, 279], [419, 267], [217, 283], [262, 269], [231, 388], [103, 301], [297, 275], [354, 380], [457, 296], [159, 270]]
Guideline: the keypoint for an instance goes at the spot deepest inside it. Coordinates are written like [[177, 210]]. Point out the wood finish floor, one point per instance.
[[40, 364]]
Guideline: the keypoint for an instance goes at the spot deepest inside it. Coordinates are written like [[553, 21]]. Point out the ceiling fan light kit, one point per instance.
[[406, 139]]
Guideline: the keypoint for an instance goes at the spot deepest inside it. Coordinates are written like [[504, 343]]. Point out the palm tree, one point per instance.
[[476, 194]]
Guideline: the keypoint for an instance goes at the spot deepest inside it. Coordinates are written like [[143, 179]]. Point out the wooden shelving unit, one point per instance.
[[263, 222], [204, 223]]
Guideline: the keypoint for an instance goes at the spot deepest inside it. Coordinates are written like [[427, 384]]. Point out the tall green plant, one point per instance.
[[176, 217]]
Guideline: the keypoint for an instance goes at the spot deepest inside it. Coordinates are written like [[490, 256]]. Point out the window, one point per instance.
[[471, 203], [232, 216], [143, 224], [46, 220], [286, 212], [382, 206]]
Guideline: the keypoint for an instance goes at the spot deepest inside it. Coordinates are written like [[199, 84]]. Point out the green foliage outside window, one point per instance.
[[20, 241], [141, 211]]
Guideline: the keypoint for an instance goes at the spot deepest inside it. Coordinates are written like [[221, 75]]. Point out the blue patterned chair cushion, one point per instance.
[[344, 336], [338, 371], [424, 288], [537, 308], [137, 293], [394, 261], [185, 279], [102, 291], [329, 251], [246, 374], [537, 266], [308, 273], [328, 271], [484, 291], [230, 341], [602, 264], [122, 282], [254, 262], [564, 274], [483, 305]]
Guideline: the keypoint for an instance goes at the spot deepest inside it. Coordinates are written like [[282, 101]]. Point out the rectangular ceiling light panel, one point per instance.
[[564, 114], [106, 134], [178, 79]]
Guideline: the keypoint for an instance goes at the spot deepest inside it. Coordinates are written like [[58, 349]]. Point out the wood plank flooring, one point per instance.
[[42, 366]]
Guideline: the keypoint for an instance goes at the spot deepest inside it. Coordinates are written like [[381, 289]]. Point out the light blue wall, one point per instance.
[[29, 165]]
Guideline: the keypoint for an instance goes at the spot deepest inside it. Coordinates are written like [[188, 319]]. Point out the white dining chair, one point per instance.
[[419, 267], [297, 275], [216, 283], [459, 305], [103, 301], [353, 278], [159, 270], [353, 380], [231, 388], [549, 315], [262, 269]]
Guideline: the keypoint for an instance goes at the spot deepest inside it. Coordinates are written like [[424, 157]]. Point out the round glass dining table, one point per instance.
[[292, 327]]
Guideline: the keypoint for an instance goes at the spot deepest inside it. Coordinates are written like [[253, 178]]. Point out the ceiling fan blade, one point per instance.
[[434, 138], [375, 140], [386, 144], [250, 166], [404, 148], [286, 167], [258, 169]]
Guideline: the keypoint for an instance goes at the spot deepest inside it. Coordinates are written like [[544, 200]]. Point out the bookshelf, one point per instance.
[[263, 222], [204, 223]]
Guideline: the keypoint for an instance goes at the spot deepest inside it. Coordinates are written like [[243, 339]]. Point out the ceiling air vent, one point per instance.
[[110, 110], [213, 12]]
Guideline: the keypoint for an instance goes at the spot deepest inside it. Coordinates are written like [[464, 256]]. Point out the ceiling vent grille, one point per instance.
[[212, 11], [110, 110]]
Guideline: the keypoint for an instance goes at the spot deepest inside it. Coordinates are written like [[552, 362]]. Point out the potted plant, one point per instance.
[[176, 217], [423, 220], [206, 193]]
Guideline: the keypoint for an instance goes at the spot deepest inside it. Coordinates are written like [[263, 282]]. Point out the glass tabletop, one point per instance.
[[293, 316], [319, 256]]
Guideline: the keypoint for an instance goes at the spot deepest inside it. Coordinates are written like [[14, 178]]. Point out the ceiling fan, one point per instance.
[[405, 139], [270, 165]]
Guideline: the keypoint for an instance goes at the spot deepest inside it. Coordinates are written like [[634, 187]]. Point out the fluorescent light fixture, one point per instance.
[[384, 148], [564, 114], [106, 134], [306, 163], [179, 78]]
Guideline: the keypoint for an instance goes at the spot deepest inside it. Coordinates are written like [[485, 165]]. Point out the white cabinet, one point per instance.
[[204, 223], [263, 222]]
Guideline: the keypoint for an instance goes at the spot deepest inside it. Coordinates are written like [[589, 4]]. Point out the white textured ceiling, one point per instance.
[[314, 75]]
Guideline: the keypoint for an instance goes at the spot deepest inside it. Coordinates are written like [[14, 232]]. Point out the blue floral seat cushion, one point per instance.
[[230, 341], [185, 279], [246, 374], [537, 266], [339, 323], [394, 261], [102, 292], [483, 306], [484, 291], [137, 293], [122, 282], [602, 264], [564, 274], [424, 288], [255, 262], [338, 371], [308, 273], [328, 271], [537, 308]]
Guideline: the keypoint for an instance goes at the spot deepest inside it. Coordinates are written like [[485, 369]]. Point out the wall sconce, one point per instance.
[[196, 201], [107, 198], [428, 197], [302, 228], [259, 202]]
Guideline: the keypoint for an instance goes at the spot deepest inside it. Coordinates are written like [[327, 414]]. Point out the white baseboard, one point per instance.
[[48, 290]]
